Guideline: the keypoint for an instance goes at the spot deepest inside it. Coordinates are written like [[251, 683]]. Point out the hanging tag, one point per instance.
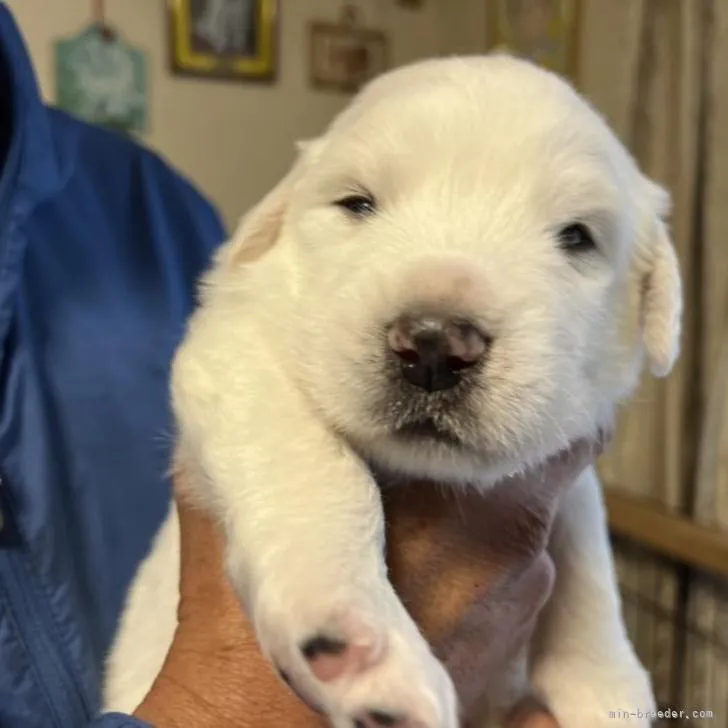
[[102, 80]]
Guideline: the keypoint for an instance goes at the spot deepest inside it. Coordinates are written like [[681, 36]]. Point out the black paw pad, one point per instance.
[[322, 645], [381, 718]]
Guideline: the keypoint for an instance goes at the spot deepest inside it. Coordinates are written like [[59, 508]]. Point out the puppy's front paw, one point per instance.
[[356, 657], [582, 692]]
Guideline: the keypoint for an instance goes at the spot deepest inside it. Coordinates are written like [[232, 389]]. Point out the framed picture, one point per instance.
[[544, 31], [225, 39], [345, 56]]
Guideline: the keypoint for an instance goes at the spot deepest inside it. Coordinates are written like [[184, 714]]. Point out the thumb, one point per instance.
[[530, 713]]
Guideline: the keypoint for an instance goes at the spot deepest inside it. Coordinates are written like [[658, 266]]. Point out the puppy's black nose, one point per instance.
[[434, 352]]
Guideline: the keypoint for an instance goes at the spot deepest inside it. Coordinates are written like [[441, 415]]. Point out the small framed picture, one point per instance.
[[544, 31], [344, 56], [225, 39]]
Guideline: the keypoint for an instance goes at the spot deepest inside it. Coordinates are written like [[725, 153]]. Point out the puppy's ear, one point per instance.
[[260, 227], [661, 300]]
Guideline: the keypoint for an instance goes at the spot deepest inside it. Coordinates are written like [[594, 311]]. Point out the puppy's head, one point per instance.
[[466, 269]]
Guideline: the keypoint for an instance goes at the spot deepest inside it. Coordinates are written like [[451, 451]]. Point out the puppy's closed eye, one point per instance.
[[359, 205], [576, 238]]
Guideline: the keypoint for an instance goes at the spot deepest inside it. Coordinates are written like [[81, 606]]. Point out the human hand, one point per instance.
[[467, 577], [215, 674], [474, 574]]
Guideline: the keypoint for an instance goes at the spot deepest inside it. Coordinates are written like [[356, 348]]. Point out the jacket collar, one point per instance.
[[31, 166]]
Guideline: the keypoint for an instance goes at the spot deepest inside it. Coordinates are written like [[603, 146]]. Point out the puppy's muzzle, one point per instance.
[[433, 353]]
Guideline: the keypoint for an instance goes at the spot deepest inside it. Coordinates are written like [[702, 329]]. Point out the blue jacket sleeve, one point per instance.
[[117, 720]]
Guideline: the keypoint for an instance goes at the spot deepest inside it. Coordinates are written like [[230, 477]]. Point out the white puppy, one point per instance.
[[458, 279]]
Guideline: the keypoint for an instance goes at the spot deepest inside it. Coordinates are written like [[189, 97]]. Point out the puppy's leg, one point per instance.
[[584, 664], [304, 530]]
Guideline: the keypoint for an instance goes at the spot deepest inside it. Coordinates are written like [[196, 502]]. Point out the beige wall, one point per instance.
[[235, 140]]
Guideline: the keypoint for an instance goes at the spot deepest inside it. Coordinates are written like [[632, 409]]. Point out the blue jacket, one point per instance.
[[101, 244]]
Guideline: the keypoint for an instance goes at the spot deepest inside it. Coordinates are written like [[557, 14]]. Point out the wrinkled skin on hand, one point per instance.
[[474, 572]]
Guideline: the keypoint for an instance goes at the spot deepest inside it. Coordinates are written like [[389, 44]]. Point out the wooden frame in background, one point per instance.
[[344, 56]]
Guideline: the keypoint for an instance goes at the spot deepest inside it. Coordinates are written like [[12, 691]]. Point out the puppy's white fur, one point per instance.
[[282, 395]]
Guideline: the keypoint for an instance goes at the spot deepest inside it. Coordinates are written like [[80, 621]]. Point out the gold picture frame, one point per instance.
[[224, 39], [543, 31]]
